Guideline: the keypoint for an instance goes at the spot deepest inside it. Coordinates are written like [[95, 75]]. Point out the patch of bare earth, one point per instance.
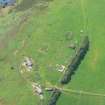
[[2, 101], [5, 11]]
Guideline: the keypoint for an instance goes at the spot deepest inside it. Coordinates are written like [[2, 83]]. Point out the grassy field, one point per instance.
[[39, 31]]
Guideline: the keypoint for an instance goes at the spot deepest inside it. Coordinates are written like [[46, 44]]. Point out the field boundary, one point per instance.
[[81, 92]]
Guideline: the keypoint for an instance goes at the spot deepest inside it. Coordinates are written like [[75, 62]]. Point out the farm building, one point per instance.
[[5, 3]]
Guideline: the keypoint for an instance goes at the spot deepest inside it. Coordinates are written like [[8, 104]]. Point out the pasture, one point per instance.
[[43, 31]]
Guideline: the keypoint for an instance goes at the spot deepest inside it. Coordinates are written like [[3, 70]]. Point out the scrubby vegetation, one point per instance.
[[54, 97]]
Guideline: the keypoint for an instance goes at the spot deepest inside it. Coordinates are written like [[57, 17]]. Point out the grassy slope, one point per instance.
[[47, 29], [14, 90], [90, 76]]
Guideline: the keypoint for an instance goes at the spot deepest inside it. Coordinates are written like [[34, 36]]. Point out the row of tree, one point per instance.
[[76, 60], [54, 97]]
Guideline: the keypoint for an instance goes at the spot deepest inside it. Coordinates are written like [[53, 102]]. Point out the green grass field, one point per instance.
[[39, 31]]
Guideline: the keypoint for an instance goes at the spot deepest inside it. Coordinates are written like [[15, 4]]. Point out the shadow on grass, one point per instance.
[[27, 4]]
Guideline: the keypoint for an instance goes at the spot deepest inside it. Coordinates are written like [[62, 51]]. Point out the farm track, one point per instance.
[[84, 13], [77, 92], [81, 92]]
